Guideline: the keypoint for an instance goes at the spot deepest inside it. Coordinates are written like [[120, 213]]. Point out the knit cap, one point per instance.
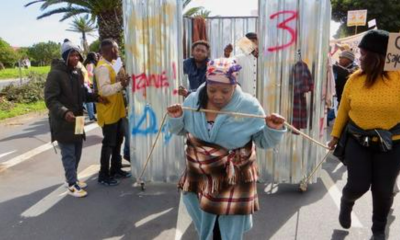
[[347, 54], [375, 41], [67, 47]]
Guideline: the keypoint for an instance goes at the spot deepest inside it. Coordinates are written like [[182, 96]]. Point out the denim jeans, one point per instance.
[[89, 106], [70, 156]]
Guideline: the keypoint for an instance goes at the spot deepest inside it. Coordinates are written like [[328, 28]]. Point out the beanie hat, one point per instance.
[[375, 41], [67, 47], [347, 54], [222, 70]]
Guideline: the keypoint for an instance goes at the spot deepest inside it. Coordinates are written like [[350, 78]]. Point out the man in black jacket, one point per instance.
[[65, 94], [343, 70]]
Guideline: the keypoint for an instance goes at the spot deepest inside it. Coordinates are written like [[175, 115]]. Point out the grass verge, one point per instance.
[[10, 73], [22, 108]]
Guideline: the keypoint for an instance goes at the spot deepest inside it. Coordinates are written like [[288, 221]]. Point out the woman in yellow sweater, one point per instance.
[[369, 131]]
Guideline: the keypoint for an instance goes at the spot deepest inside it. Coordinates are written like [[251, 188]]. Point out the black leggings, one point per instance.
[[368, 168]]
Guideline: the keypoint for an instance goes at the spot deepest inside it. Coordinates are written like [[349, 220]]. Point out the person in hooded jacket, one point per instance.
[[65, 94]]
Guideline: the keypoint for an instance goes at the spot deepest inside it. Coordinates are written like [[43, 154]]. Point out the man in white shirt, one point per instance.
[[248, 60], [110, 116]]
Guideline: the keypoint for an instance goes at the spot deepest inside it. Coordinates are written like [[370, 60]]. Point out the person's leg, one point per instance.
[[359, 171], [78, 153], [204, 222], [90, 111], [127, 136], [233, 227], [68, 158], [386, 167], [116, 159], [109, 141]]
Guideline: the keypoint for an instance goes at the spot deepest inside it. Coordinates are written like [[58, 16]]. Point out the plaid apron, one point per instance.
[[225, 181]]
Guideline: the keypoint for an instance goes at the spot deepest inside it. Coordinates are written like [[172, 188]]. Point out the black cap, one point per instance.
[[375, 41]]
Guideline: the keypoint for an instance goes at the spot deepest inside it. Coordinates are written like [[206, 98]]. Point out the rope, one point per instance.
[[294, 129]]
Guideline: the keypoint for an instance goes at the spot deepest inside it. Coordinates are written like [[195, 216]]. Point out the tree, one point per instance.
[[43, 53], [8, 57], [385, 12], [195, 11], [85, 26], [94, 46], [107, 14]]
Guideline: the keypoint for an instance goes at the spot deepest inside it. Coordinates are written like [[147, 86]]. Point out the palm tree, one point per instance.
[[195, 11], [107, 14], [85, 26]]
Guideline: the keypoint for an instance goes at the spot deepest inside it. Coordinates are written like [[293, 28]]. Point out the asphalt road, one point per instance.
[[33, 203]]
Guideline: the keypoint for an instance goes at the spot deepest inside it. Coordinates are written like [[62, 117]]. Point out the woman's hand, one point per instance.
[[175, 111], [275, 121], [333, 142]]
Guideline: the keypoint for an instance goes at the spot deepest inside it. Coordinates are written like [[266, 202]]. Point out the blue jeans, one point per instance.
[[70, 156], [89, 105]]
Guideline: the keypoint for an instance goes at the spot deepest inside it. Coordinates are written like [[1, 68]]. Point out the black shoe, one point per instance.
[[121, 174], [108, 181], [345, 215], [379, 236]]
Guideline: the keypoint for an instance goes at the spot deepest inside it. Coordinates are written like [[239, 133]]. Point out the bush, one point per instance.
[[5, 105], [30, 92]]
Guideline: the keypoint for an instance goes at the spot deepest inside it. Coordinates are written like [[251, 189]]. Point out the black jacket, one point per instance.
[[65, 92], [341, 76]]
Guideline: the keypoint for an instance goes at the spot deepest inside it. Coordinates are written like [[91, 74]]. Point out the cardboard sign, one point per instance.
[[372, 23], [392, 62], [357, 18], [79, 125]]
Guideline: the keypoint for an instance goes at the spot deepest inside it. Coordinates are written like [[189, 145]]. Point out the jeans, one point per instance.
[[111, 148], [71, 155], [127, 135], [90, 105], [370, 169]]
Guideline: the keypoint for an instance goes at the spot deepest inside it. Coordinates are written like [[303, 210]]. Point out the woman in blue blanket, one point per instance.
[[219, 183]]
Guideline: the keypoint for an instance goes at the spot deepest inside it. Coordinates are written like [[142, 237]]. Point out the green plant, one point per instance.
[[43, 53], [5, 105], [8, 57], [85, 26], [107, 13], [30, 92]]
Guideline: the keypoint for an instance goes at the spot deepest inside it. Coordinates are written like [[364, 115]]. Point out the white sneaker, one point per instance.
[[80, 184], [76, 191]]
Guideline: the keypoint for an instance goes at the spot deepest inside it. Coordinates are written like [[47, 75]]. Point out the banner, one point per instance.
[[392, 62]]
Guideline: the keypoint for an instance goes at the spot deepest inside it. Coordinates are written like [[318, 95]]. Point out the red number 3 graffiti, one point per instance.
[[282, 25]]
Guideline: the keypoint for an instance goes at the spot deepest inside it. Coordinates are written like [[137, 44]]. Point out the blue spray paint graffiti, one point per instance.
[[139, 127]]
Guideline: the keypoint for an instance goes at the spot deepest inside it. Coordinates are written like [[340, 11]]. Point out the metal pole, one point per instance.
[[356, 30], [20, 71]]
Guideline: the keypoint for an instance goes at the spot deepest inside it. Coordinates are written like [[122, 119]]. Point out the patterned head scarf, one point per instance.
[[222, 70]]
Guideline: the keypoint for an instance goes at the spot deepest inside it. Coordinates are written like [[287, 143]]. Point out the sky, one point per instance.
[[20, 28]]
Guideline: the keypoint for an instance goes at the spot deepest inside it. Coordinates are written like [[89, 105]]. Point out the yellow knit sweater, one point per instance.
[[377, 107]]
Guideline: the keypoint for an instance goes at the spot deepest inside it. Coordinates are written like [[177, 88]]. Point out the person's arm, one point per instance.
[[269, 137], [105, 87], [52, 93]]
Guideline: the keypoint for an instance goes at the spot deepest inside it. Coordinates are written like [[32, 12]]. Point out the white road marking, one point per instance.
[[336, 195], [57, 195], [339, 166], [183, 222], [7, 153], [152, 217], [28, 155]]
